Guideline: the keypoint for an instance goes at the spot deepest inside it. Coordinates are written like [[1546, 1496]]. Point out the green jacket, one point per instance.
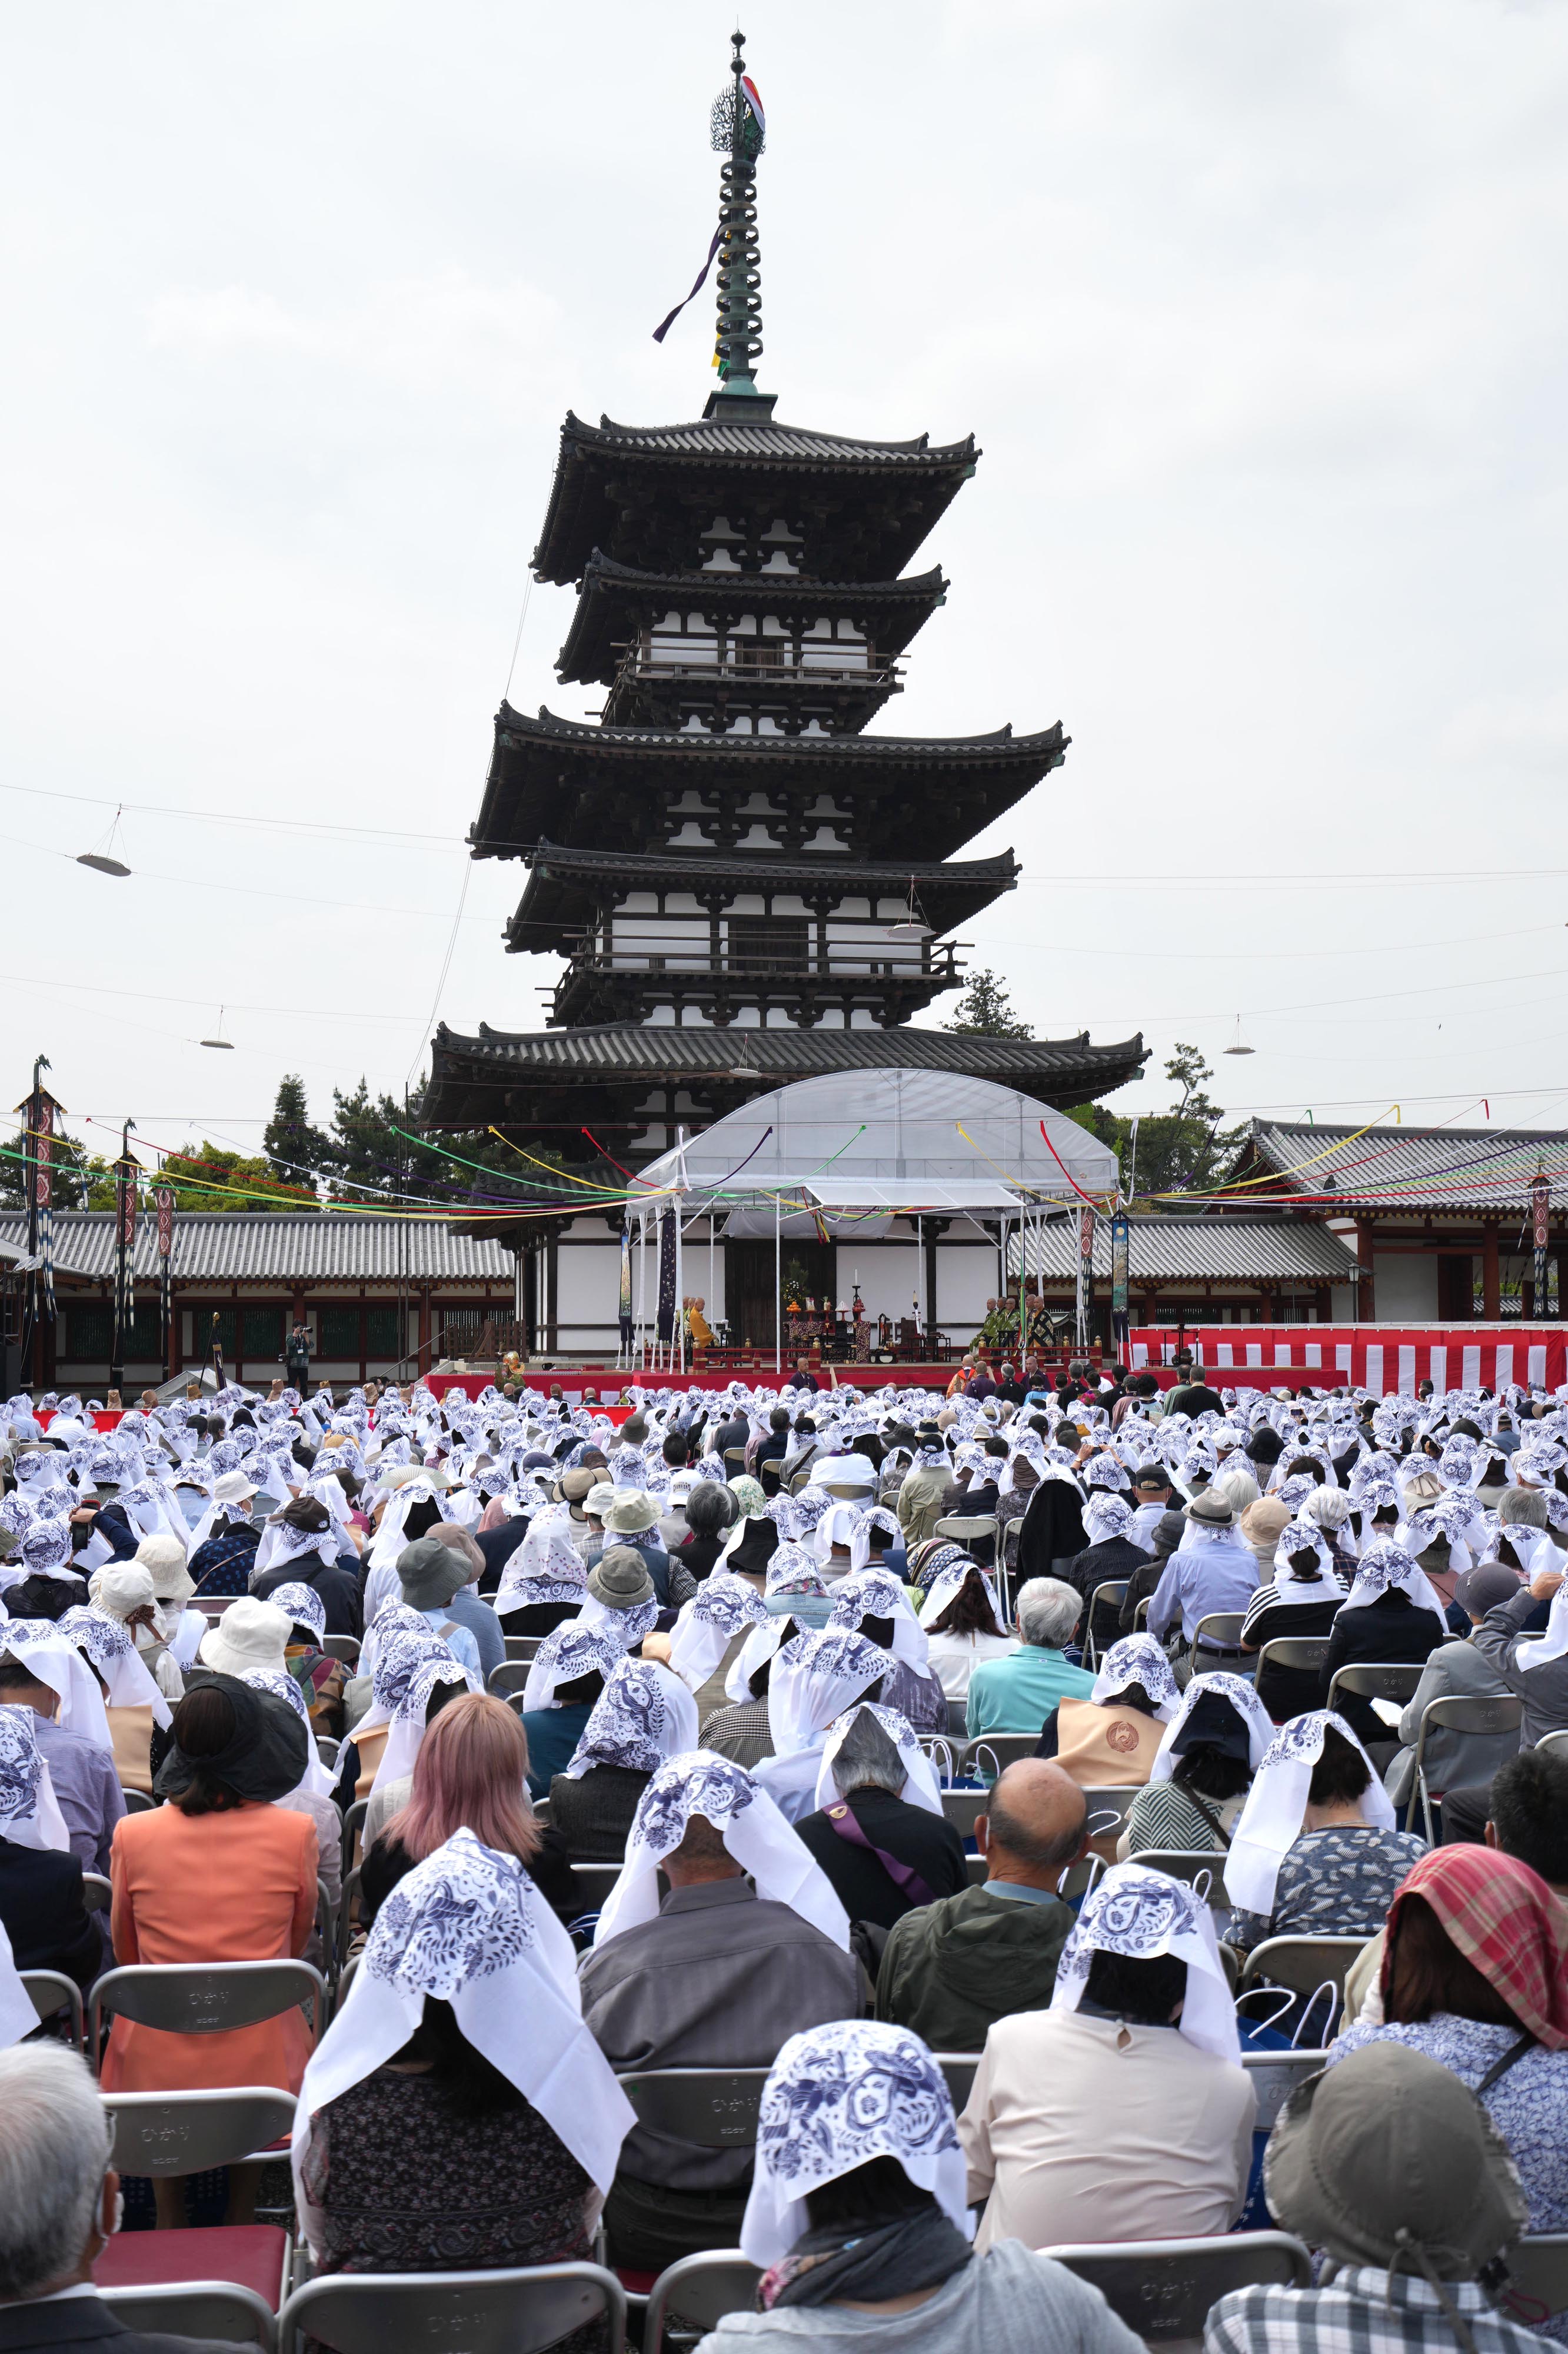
[[951, 1968]]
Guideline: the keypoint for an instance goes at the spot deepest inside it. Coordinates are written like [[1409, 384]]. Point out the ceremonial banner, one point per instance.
[[666, 1324], [1119, 1247], [125, 1174], [42, 1124], [1540, 1216], [625, 1302], [1086, 1298], [164, 1198]]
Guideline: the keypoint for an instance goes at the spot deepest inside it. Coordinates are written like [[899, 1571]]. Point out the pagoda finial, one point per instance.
[[737, 135]]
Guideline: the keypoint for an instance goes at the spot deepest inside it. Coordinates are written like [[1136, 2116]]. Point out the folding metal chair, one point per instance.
[[714, 2108], [969, 1530], [1199, 1868], [1164, 2289], [193, 2308], [1219, 1633], [327, 1747], [1459, 1713], [522, 1647], [961, 1807], [699, 2291], [190, 2133], [958, 2068], [479, 2313], [353, 1823], [1112, 1593], [137, 1802], [1109, 1810], [992, 1751], [205, 1997], [1385, 1679], [511, 1676], [1302, 1654], [1304, 1965], [1275, 2076], [595, 1881], [51, 1992], [1537, 2265], [97, 1892], [342, 1647]]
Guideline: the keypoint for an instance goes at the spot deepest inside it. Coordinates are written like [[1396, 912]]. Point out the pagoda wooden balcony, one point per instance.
[[618, 985], [649, 690]]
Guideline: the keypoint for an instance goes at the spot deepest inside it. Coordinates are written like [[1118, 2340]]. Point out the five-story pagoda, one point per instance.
[[746, 889]]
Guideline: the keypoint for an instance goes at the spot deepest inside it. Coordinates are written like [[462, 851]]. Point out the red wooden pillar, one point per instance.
[[1492, 1281]]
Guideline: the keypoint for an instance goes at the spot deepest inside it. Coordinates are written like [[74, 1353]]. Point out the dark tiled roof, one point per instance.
[[610, 592], [264, 1246], [1205, 1249], [582, 514], [527, 786], [725, 437], [667, 1049], [1403, 1169]]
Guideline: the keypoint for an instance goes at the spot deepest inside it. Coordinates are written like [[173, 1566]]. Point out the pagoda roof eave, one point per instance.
[[571, 1070], [880, 762], [606, 589], [724, 446], [559, 892]]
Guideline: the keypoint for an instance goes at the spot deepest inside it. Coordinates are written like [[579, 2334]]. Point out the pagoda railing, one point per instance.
[[639, 670], [841, 962]]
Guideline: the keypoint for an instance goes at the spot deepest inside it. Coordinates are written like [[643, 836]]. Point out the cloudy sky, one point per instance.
[[1255, 311]]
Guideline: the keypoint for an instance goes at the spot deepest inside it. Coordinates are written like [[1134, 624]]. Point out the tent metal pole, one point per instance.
[[778, 1287]]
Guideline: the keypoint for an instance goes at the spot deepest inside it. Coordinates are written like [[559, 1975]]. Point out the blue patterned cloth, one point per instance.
[[1338, 1882], [223, 1565]]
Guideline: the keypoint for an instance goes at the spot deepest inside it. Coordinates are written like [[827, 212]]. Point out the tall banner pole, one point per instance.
[[1120, 1242], [163, 1197], [125, 1174], [1541, 1212]]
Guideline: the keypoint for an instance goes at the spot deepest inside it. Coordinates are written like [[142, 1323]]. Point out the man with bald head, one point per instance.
[[951, 1968]]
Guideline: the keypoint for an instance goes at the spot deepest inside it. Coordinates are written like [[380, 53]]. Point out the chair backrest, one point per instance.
[[479, 2313], [1220, 1631], [1538, 2278], [342, 1647], [961, 1807], [51, 1992], [595, 1881], [1164, 2289], [1303, 1965], [186, 2133], [1390, 1679], [967, 1529], [735, 1459], [1273, 2077], [958, 2068], [212, 2309], [993, 1751], [327, 1747], [798, 1480], [206, 1997], [522, 1647], [346, 1924], [716, 2108], [137, 1802], [353, 1823], [1466, 1712], [97, 1893], [1304, 1654], [1102, 1804], [701, 2290], [511, 1676], [1198, 1867], [1110, 1590]]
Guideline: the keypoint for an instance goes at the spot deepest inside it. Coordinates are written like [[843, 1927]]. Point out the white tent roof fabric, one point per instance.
[[888, 1140]]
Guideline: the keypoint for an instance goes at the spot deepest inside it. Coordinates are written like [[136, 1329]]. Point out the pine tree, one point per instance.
[[985, 1010], [295, 1151]]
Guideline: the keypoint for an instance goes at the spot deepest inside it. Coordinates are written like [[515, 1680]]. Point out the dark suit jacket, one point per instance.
[[1052, 1529], [498, 1545], [927, 1843], [44, 1912], [84, 2324], [594, 1814], [338, 1586]]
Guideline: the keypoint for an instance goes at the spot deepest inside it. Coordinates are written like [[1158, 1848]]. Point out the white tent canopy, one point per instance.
[[876, 1144]]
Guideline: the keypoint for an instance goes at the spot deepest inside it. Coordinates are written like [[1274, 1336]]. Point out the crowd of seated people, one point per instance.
[[737, 1704]]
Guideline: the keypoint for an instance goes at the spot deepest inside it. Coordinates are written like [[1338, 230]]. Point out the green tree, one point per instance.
[[211, 1177], [985, 1010], [294, 1150]]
